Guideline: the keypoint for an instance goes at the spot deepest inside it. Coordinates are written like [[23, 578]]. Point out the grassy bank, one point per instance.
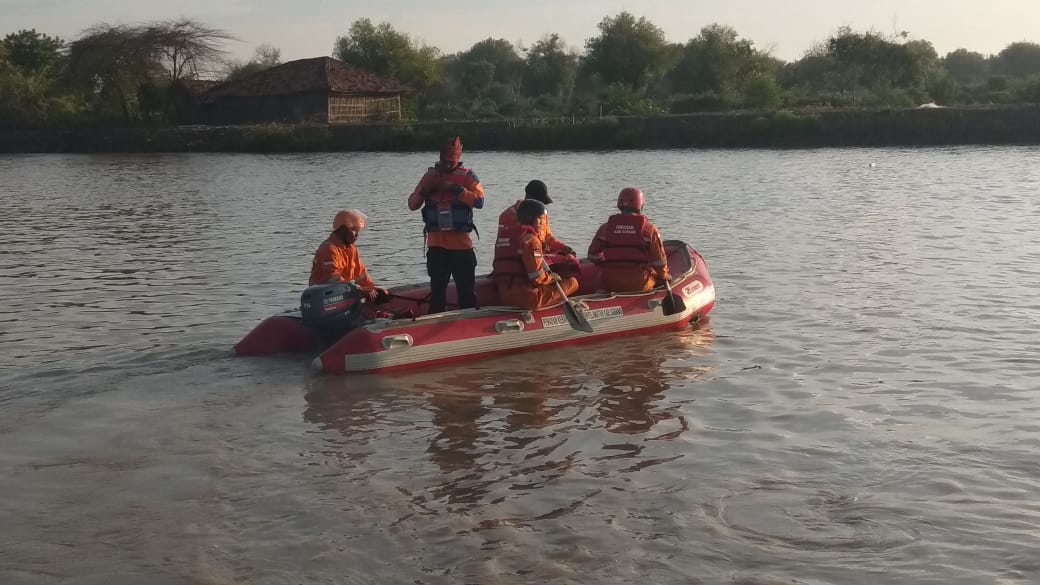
[[830, 128]]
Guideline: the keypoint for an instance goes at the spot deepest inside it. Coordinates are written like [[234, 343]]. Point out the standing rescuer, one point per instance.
[[628, 248], [448, 193], [337, 258], [519, 270]]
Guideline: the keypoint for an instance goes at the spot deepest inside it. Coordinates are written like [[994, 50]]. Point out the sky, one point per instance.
[[308, 28]]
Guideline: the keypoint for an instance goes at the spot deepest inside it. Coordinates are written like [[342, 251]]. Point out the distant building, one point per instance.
[[319, 90], [184, 98], [195, 87]]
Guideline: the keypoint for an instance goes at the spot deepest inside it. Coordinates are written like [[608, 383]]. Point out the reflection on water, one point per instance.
[[492, 457], [861, 409], [501, 428]]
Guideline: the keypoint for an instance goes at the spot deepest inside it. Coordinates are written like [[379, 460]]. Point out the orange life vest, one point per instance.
[[508, 250], [442, 211], [626, 240]]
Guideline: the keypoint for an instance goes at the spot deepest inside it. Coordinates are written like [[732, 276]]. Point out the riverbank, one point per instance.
[[784, 129]]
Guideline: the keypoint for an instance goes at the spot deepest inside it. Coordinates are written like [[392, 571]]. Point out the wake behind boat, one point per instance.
[[352, 337]]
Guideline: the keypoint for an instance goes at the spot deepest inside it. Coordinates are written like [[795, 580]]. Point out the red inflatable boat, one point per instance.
[[399, 335]]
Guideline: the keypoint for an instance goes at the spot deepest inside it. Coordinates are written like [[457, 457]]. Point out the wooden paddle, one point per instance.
[[672, 304], [575, 318]]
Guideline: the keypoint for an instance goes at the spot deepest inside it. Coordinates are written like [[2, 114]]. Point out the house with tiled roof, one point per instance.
[[319, 90]]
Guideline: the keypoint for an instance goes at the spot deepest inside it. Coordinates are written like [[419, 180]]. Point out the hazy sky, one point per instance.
[[308, 28]]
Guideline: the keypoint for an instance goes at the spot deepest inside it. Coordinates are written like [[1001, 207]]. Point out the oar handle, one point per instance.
[[574, 319], [559, 287]]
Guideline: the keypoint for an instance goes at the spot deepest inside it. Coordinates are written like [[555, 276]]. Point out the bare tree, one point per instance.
[[128, 66], [187, 48], [265, 57], [110, 63]]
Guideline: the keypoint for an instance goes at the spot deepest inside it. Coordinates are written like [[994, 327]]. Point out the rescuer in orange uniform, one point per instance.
[[448, 193], [628, 248], [539, 192], [337, 259], [519, 272]]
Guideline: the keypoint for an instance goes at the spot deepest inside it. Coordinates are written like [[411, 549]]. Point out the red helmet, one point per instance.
[[630, 198], [451, 151]]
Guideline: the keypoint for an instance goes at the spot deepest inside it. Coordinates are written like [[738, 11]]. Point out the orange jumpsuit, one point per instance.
[[539, 291], [336, 261], [630, 277], [550, 244]]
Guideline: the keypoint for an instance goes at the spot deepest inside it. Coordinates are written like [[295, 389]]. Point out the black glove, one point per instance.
[[567, 251]]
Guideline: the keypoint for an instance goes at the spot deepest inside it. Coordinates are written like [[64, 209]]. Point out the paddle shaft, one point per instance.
[[575, 319], [671, 304], [559, 287]]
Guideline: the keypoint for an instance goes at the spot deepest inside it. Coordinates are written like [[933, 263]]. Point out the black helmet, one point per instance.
[[538, 191], [529, 211]]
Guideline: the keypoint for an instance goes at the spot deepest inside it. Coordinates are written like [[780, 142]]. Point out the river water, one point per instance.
[[862, 407]]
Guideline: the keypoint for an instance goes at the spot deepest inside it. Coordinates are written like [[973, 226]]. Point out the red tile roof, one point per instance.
[[305, 75]]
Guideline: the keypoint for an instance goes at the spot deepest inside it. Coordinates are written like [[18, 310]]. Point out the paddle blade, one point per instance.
[[576, 319], [672, 304]]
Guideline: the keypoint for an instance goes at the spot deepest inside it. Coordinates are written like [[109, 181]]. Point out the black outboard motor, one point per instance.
[[331, 309]]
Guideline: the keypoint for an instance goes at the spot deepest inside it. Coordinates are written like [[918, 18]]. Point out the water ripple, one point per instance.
[[861, 408]]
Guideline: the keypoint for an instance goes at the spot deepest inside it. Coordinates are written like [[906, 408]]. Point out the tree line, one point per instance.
[[144, 73]]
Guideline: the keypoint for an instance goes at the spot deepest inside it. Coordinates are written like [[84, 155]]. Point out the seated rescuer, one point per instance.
[[628, 248], [519, 271], [337, 259], [537, 191]]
